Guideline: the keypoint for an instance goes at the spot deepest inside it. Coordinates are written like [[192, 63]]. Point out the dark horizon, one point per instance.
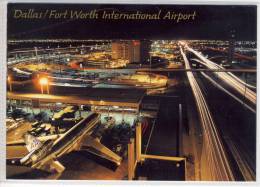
[[213, 22]]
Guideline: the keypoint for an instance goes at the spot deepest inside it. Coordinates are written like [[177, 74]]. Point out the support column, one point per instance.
[[138, 142], [131, 159], [180, 131]]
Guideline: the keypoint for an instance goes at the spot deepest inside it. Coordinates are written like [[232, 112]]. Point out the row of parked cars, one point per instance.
[[117, 136], [40, 129]]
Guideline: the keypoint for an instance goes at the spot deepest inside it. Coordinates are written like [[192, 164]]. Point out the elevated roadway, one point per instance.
[[112, 97], [214, 157]]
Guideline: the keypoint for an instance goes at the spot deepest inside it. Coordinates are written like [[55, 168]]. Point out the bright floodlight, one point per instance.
[[43, 81]]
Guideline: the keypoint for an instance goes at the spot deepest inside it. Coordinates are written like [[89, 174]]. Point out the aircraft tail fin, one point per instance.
[[57, 166], [95, 147], [50, 166]]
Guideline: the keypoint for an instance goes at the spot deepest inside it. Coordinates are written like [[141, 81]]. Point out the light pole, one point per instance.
[[37, 59], [59, 62], [9, 80], [44, 82], [150, 60], [150, 66]]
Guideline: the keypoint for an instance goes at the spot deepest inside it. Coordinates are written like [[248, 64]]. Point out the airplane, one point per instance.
[[43, 152]]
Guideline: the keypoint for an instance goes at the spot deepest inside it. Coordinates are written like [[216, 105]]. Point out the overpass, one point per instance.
[[114, 97], [236, 55]]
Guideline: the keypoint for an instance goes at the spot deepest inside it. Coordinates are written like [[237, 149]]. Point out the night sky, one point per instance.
[[212, 22]]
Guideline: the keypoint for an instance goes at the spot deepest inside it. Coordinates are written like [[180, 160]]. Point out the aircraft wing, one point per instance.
[[14, 161], [15, 143], [47, 164], [23, 142], [50, 165], [93, 146]]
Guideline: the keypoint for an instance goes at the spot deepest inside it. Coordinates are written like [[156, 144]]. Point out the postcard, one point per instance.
[[151, 92]]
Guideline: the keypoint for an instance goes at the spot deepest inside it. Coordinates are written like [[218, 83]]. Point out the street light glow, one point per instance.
[[44, 81]]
